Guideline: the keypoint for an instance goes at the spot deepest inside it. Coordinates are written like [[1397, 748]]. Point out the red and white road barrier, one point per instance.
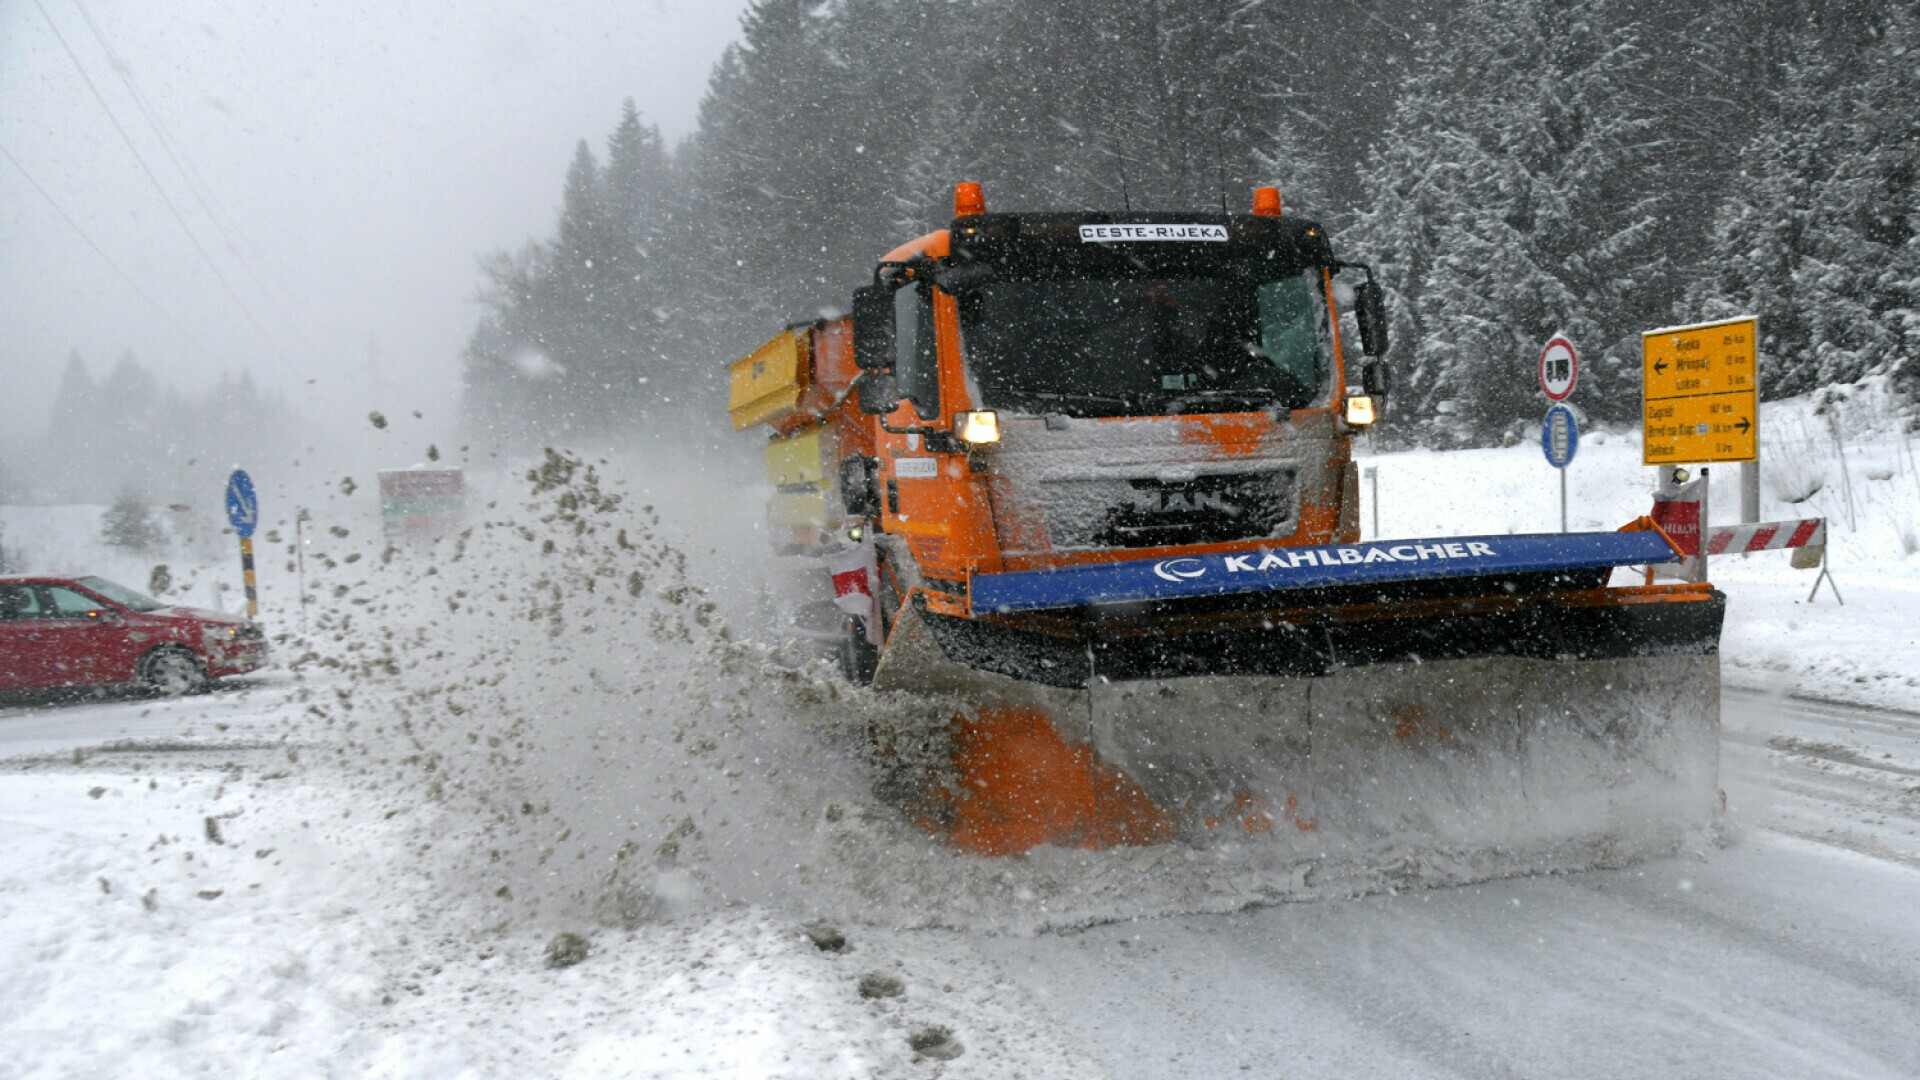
[[1765, 536], [1679, 510]]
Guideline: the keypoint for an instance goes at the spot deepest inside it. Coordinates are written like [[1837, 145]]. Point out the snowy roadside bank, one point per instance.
[[1864, 481], [1866, 653]]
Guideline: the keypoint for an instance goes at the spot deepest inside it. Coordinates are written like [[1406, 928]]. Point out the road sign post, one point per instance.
[[243, 513], [1559, 440], [1559, 435], [1706, 512], [1700, 401]]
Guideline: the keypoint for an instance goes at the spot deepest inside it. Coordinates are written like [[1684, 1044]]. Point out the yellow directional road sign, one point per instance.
[[1700, 393]]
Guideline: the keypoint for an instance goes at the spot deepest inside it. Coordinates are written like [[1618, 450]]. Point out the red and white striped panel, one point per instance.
[[1766, 536]]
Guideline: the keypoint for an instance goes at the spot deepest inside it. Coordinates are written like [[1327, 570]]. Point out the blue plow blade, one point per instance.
[[1279, 569]]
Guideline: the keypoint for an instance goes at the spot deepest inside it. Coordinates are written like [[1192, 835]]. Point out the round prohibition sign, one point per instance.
[[1559, 368]]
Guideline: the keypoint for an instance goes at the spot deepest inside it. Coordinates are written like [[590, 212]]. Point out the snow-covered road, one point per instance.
[[1777, 958], [1793, 951], [235, 710], [1841, 776]]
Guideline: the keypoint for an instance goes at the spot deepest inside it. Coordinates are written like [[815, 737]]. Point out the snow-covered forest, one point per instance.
[[1515, 167], [128, 432]]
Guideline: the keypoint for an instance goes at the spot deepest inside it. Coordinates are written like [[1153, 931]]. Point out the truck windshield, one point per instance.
[[1147, 346]]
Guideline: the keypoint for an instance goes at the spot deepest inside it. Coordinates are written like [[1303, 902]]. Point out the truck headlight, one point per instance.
[[977, 427], [1359, 411]]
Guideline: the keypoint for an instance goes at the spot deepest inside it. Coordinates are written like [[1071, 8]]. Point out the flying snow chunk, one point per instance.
[[535, 364]]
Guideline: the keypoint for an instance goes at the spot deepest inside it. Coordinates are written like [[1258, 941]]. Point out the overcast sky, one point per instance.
[[356, 155]]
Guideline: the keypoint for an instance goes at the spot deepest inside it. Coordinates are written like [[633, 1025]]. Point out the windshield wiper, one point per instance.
[[1077, 396], [1253, 396]]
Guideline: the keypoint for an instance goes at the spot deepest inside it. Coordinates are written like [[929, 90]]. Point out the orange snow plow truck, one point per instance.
[[1085, 480]]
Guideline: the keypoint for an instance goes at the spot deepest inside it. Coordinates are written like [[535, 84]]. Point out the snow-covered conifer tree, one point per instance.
[[1502, 207], [1818, 235]]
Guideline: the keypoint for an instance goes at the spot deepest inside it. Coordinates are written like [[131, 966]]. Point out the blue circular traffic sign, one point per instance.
[[1559, 436], [243, 506]]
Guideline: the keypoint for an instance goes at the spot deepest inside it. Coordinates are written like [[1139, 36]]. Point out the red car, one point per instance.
[[57, 633]]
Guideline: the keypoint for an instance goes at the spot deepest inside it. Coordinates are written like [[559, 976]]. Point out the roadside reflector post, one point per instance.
[[243, 513], [300, 560], [1373, 496], [246, 575]]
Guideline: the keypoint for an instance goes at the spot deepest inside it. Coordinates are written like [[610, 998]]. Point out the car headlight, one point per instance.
[[1359, 411]]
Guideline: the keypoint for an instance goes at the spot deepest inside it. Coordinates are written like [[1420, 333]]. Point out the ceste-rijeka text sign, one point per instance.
[[1275, 569], [1700, 397], [1108, 234]]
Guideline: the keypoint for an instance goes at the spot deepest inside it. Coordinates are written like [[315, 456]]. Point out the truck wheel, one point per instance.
[[172, 672], [858, 658]]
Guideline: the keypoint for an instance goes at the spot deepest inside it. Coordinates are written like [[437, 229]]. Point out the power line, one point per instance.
[[192, 237], [166, 143], [104, 257], [198, 188]]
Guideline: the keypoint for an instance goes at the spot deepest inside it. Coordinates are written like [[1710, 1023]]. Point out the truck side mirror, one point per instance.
[[877, 391], [873, 330], [860, 485], [958, 279], [1370, 311]]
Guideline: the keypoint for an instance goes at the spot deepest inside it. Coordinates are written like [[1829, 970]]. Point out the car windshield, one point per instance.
[[1147, 346], [120, 594]]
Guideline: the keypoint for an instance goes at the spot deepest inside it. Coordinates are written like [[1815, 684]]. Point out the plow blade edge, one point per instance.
[[1522, 707]]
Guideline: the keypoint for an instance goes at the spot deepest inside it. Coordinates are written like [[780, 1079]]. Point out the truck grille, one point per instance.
[[1138, 512]]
